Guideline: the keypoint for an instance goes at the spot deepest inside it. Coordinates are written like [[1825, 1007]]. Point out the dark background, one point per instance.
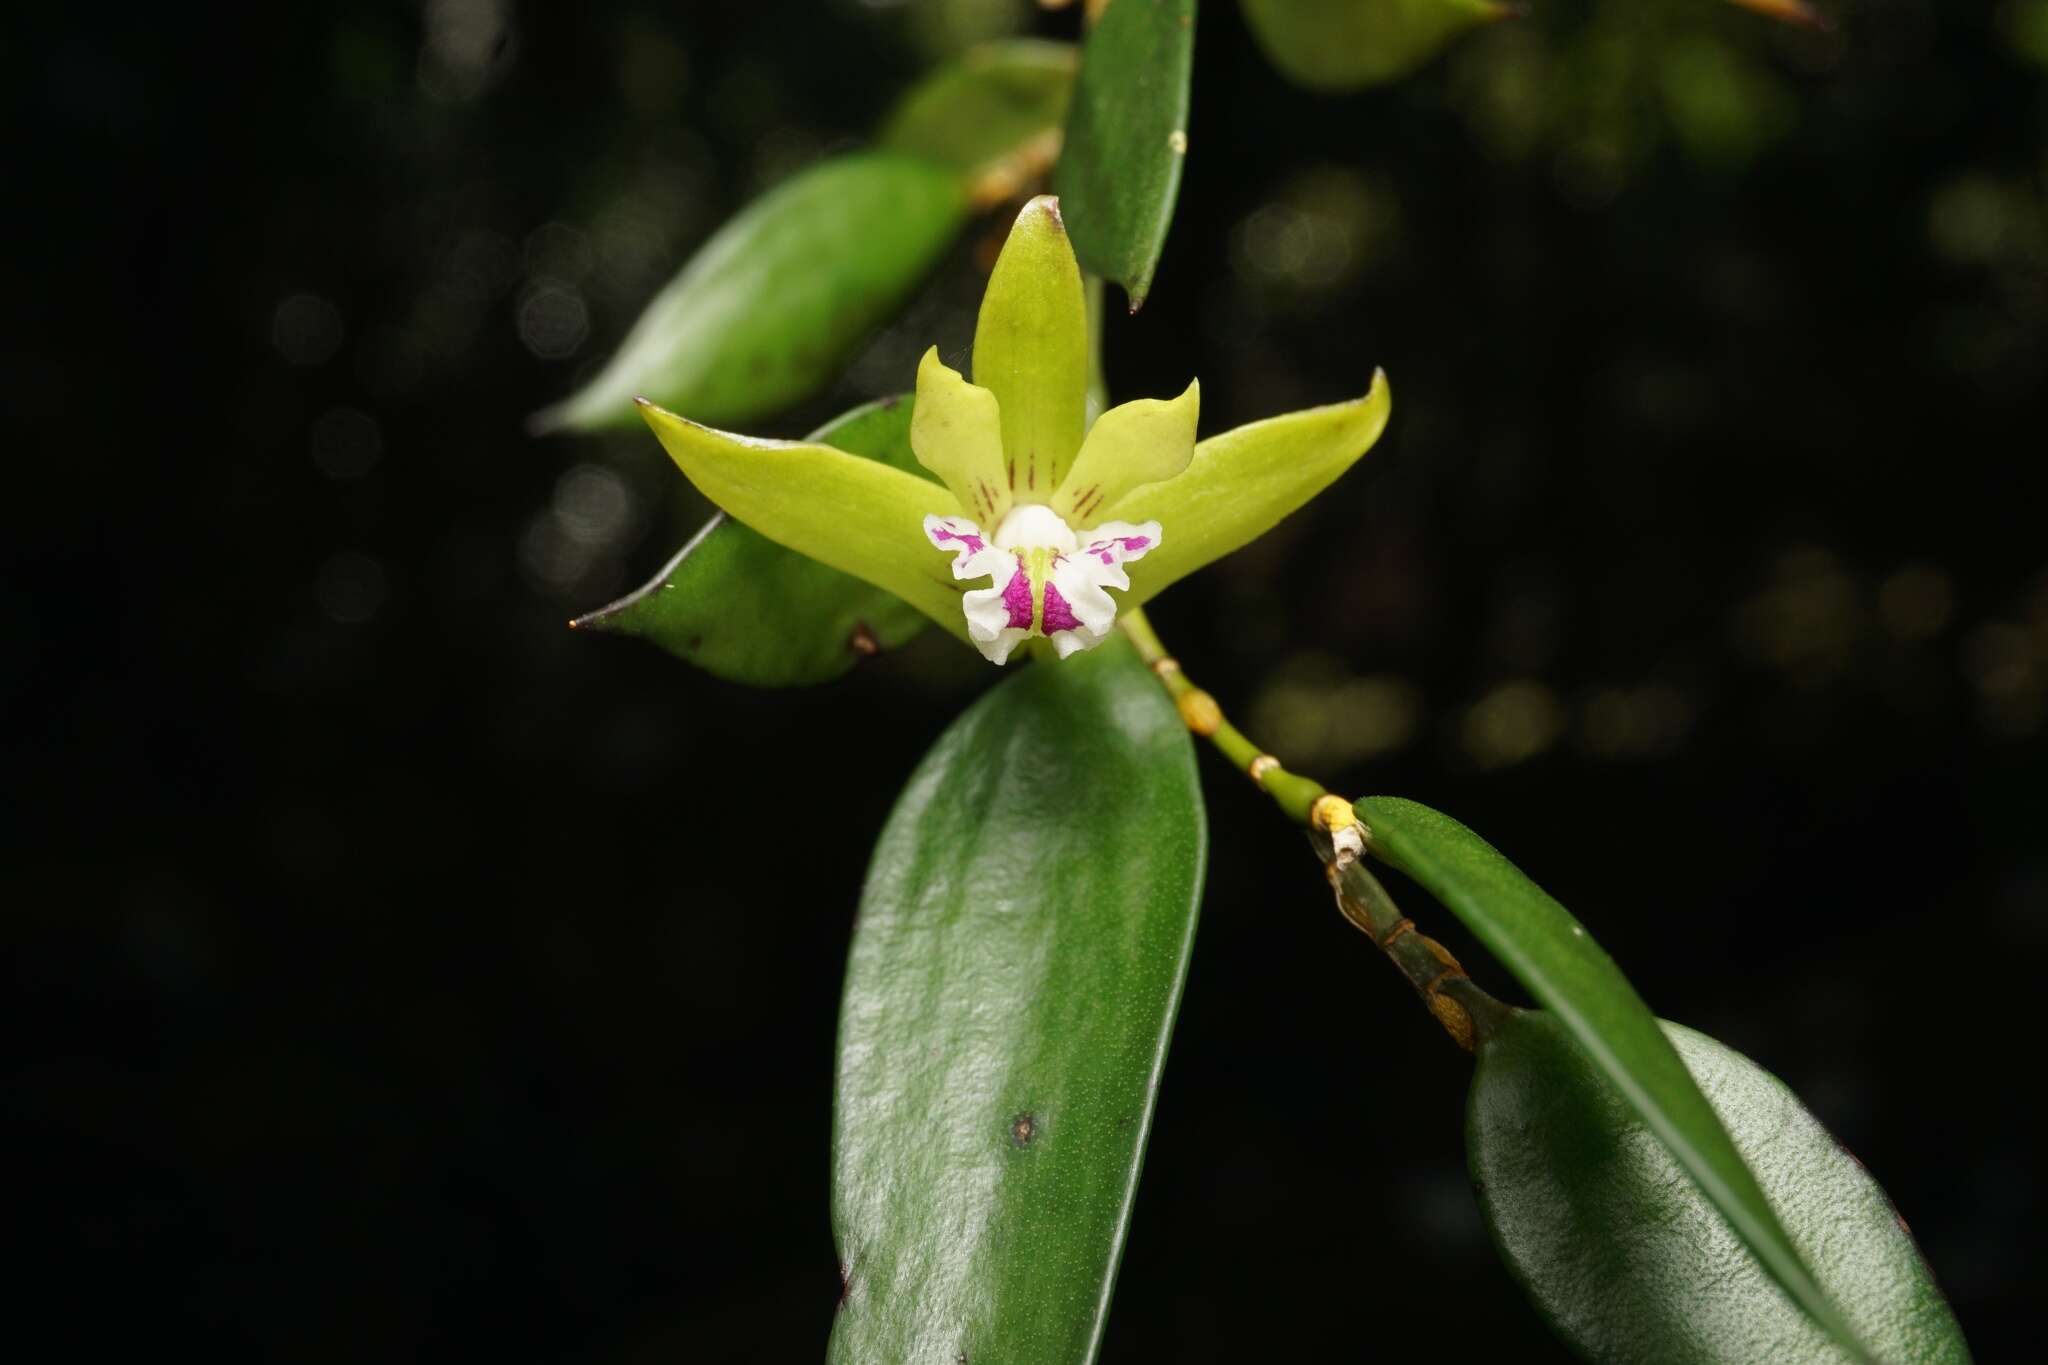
[[394, 974]]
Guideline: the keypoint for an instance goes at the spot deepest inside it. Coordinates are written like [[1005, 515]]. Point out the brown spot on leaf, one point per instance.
[[863, 641], [1023, 1128]]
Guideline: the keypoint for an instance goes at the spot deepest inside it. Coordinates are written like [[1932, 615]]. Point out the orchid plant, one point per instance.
[[1025, 927], [1047, 507]]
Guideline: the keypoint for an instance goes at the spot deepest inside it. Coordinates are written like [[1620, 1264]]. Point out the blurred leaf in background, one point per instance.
[[768, 310], [1339, 45], [1599, 86], [998, 107]]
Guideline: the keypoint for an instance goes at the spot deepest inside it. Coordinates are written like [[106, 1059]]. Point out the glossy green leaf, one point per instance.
[[1031, 346], [861, 517], [1127, 134], [1627, 1260], [741, 607], [987, 108], [1241, 483], [767, 310], [1348, 44], [1558, 962], [1016, 966]]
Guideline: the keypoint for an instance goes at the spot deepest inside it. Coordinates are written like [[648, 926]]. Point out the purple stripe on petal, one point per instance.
[[1017, 597], [1058, 615]]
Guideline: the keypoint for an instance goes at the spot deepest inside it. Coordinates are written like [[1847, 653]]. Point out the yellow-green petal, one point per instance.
[[1031, 349], [859, 516], [1243, 482], [1140, 442], [957, 432]]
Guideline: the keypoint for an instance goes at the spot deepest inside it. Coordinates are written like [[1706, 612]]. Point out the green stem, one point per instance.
[[1098, 384], [1466, 1012], [1295, 795]]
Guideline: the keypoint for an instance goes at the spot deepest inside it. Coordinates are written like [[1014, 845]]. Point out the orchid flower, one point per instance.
[[1035, 514]]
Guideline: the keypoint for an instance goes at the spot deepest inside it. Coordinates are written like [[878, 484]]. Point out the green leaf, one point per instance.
[[1630, 1263], [745, 609], [1127, 134], [989, 108], [1335, 45], [1551, 954], [1016, 965], [767, 310], [1241, 483], [861, 517]]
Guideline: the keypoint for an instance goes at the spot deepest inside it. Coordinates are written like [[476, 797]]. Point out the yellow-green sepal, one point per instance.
[[957, 433], [1134, 443], [1031, 347], [737, 605], [859, 516], [1241, 483]]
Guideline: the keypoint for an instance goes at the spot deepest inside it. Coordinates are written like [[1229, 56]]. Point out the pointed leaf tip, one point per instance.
[[1559, 963], [1126, 140]]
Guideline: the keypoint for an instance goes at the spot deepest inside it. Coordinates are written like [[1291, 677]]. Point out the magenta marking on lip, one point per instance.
[[942, 534], [1058, 615], [1017, 597], [1113, 549]]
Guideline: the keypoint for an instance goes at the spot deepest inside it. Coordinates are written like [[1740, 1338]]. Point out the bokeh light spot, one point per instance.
[[306, 329], [1511, 724], [351, 588], [554, 321], [345, 443]]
